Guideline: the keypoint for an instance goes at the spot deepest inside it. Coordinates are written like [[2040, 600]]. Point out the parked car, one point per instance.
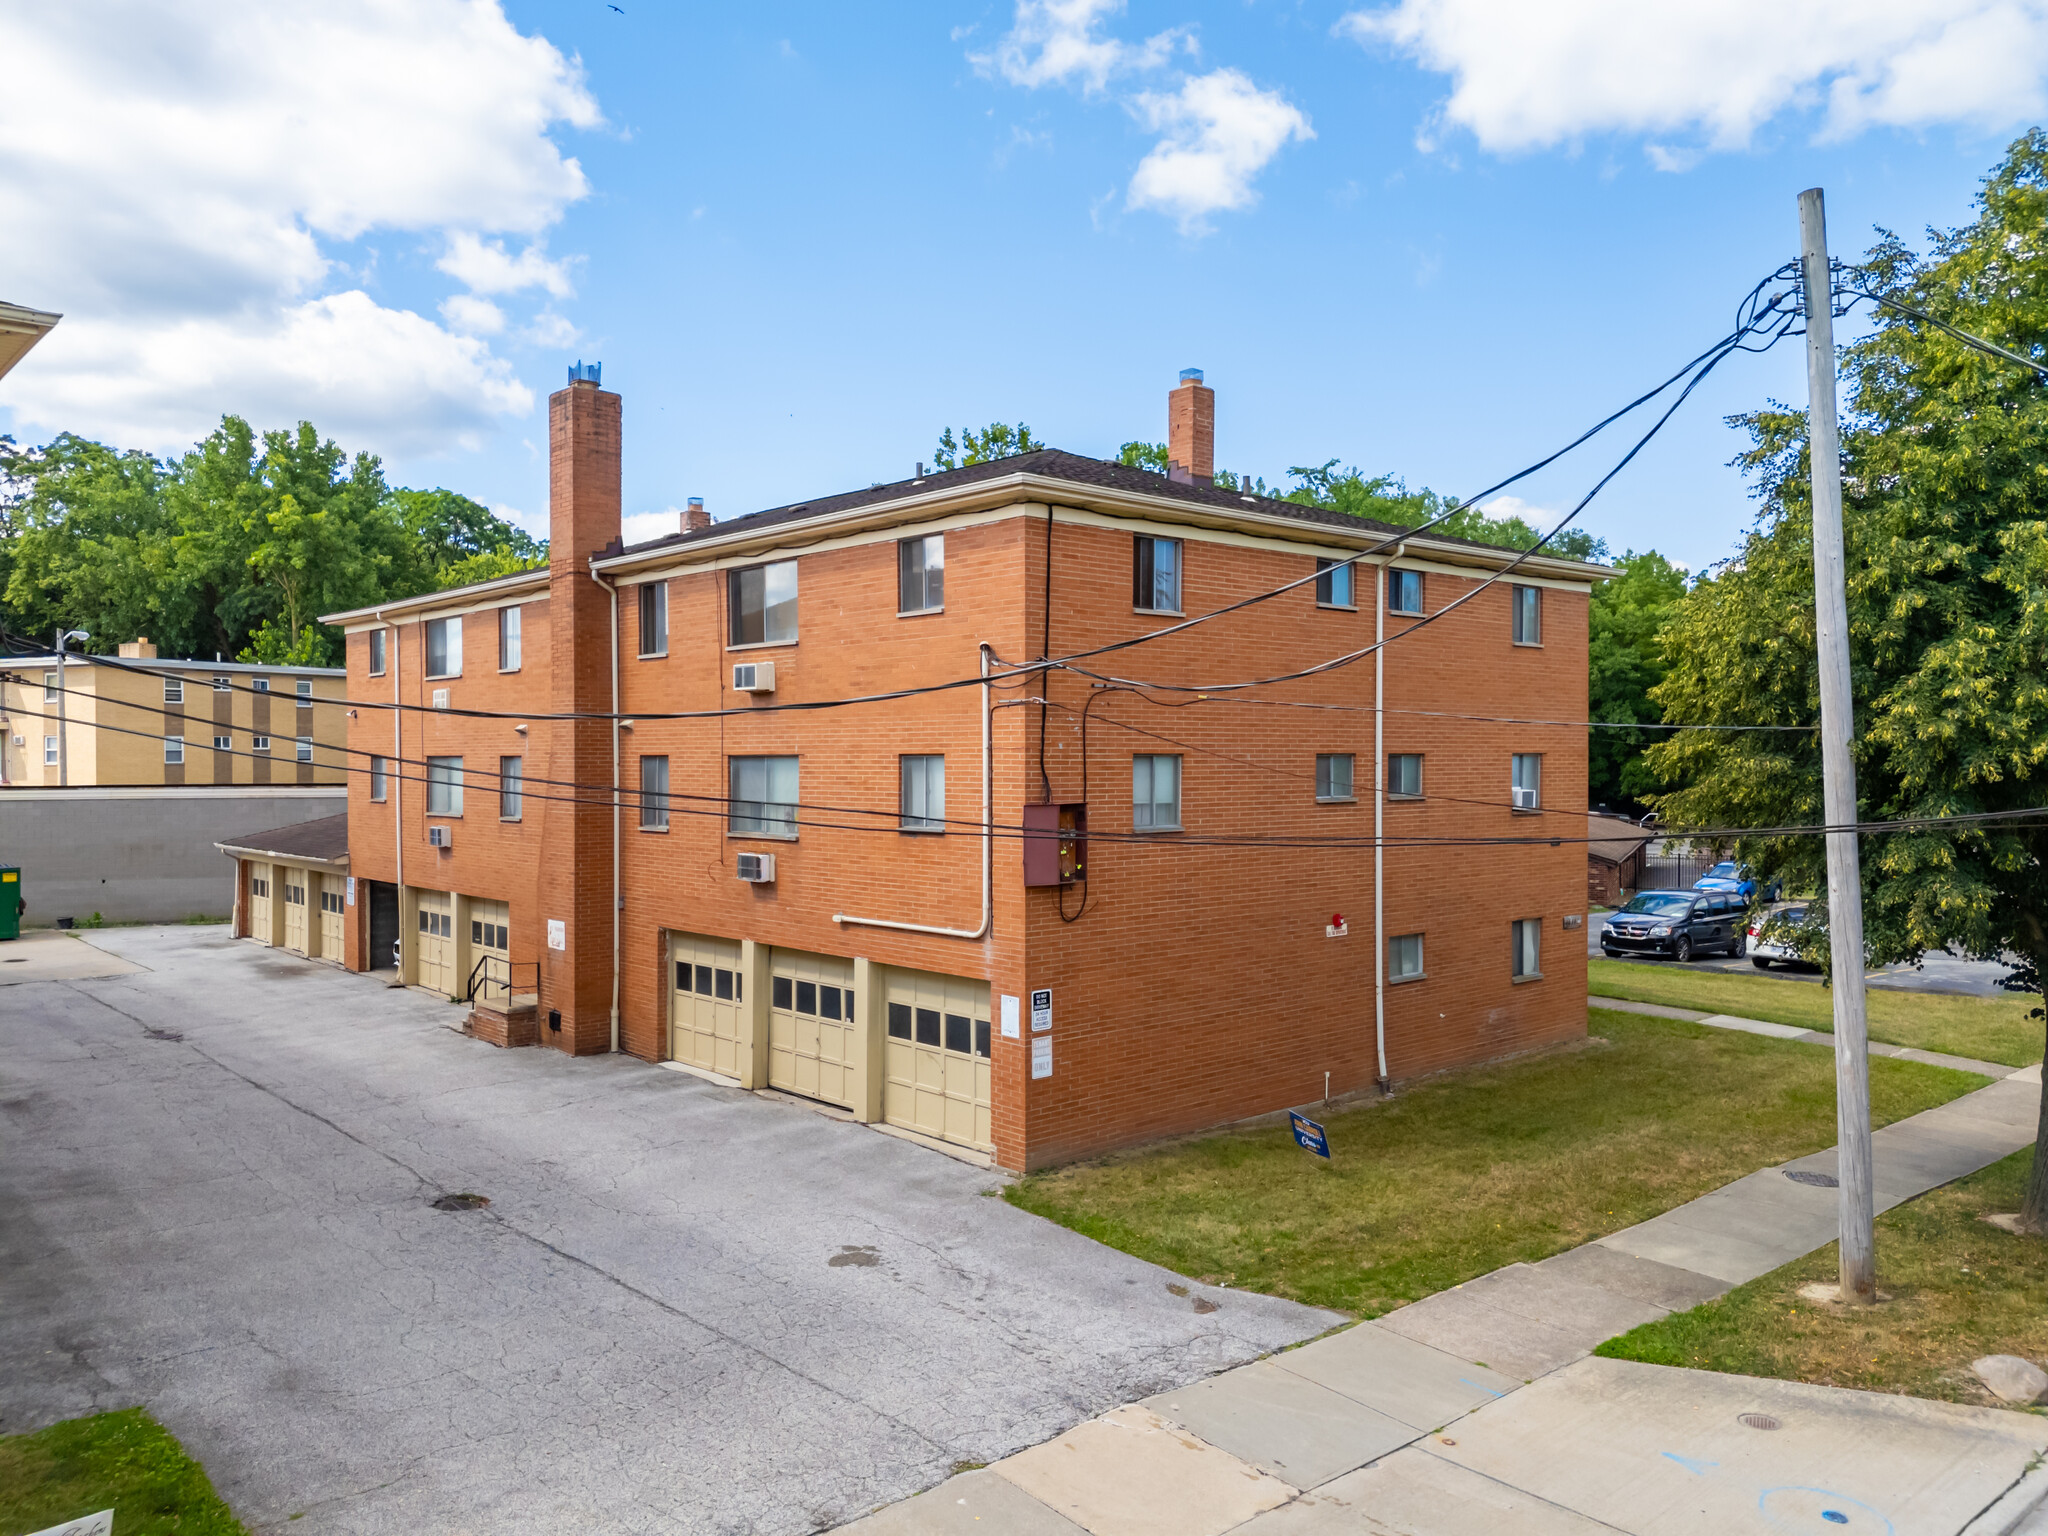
[[1679, 924], [1769, 933], [1731, 876]]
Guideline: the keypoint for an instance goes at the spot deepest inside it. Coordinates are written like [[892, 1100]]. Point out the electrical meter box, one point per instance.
[[10, 902], [1055, 844]]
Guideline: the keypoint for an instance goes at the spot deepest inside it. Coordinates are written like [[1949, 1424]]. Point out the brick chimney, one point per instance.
[[575, 877], [1191, 431], [141, 648], [695, 518]]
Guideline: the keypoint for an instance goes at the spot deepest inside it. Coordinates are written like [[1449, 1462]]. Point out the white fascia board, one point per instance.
[[495, 593]]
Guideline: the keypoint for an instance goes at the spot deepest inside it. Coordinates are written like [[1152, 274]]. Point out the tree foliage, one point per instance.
[[1945, 467], [235, 548], [1625, 660], [997, 440]]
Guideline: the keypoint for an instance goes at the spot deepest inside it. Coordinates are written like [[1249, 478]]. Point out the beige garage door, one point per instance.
[[936, 1057], [490, 950], [811, 1035], [332, 892], [704, 1002], [295, 924], [437, 942], [260, 877]]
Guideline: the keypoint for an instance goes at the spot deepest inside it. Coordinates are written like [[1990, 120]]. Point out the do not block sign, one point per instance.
[[1308, 1135]]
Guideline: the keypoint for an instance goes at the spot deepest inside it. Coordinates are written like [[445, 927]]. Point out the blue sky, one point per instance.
[[805, 237]]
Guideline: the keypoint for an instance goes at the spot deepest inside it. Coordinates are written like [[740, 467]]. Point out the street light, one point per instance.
[[63, 691]]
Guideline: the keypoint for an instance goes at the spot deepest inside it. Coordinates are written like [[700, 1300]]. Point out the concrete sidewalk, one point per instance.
[[1477, 1410], [1990, 1069]]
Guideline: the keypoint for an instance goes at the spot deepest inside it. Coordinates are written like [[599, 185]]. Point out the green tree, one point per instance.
[[1945, 469], [1625, 660], [997, 440], [1387, 499], [446, 531]]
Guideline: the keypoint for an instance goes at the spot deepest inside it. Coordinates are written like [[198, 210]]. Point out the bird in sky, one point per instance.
[[619, 9]]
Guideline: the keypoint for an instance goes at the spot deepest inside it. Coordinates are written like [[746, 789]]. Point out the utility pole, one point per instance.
[[1838, 769], [63, 734]]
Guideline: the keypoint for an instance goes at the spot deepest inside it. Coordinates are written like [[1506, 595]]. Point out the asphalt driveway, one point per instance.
[[686, 1308], [1939, 972]]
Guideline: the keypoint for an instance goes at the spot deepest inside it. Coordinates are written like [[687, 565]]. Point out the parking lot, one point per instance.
[[685, 1308], [1938, 973]]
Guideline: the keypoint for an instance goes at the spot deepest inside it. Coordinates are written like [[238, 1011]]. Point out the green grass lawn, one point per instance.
[[122, 1461], [1465, 1173], [1960, 1289], [1983, 1028]]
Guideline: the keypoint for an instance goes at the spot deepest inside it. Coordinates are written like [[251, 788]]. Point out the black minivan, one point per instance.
[[1680, 924]]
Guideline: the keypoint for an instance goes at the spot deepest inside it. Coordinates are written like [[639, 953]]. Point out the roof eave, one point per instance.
[[497, 586]]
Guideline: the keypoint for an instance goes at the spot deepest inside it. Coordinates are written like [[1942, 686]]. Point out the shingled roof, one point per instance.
[[324, 841]]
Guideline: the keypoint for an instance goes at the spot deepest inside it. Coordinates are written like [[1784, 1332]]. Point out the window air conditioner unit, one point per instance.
[[1525, 799], [753, 677], [440, 837], [756, 868], [440, 698]]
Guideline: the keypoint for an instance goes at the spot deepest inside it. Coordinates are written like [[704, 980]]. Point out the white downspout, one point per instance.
[[988, 838], [396, 779], [617, 899], [1379, 819]]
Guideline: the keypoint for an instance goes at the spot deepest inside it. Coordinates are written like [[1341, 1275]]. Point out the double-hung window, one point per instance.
[[260, 684], [174, 749], [1404, 775], [1333, 776], [49, 751], [921, 574], [304, 749], [1155, 792], [1404, 591], [653, 605], [376, 656], [444, 786], [223, 685], [1333, 584], [511, 788], [259, 743], [304, 689], [508, 639], [1527, 603], [923, 793], [1404, 957], [378, 778], [764, 796], [444, 647], [1526, 946], [174, 690], [223, 743], [653, 793], [49, 688], [762, 603], [1155, 575], [1527, 781]]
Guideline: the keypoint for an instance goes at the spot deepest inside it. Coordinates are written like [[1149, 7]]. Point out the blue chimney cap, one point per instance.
[[1191, 375], [582, 370]]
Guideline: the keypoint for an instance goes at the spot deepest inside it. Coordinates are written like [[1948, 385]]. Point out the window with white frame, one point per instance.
[[303, 749], [444, 647], [376, 655], [1155, 575], [49, 751], [444, 786], [259, 743], [1333, 584], [511, 788], [1155, 792], [1404, 957], [174, 749], [764, 797], [1404, 775], [508, 639], [921, 574], [223, 743], [653, 605], [174, 690], [223, 684], [378, 777], [1527, 603], [762, 603], [1404, 591], [1526, 939], [260, 684], [653, 793], [923, 801], [1527, 781], [1333, 776], [50, 688]]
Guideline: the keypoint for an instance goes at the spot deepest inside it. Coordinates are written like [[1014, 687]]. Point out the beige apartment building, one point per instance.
[[144, 719]]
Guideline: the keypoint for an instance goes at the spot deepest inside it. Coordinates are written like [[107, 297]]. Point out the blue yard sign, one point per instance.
[[1308, 1135]]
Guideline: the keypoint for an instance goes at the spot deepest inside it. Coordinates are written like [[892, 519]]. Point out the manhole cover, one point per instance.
[[461, 1203], [1758, 1421], [1817, 1180]]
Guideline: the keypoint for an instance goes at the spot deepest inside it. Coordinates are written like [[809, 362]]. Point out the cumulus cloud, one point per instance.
[[179, 170], [1529, 77], [1220, 131]]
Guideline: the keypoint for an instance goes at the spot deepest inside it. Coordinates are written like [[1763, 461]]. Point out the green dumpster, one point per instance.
[[11, 903]]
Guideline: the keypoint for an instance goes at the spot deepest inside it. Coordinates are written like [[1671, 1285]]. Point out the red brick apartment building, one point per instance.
[[848, 902]]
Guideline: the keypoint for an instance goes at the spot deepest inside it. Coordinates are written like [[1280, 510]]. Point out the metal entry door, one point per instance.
[[811, 1033], [331, 915], [383, 926], [295, 928], [437, 942], [937, 1057], [260, 876], [705, 998]]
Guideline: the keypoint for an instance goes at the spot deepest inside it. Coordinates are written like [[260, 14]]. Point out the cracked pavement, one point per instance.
[[685, 1309]]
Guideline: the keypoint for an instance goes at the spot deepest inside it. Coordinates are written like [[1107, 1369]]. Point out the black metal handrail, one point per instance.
[[484, 968]]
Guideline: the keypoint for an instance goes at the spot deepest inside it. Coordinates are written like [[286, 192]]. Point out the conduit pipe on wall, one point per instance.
[[1379, 818], [617, 898], [988, 837]]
